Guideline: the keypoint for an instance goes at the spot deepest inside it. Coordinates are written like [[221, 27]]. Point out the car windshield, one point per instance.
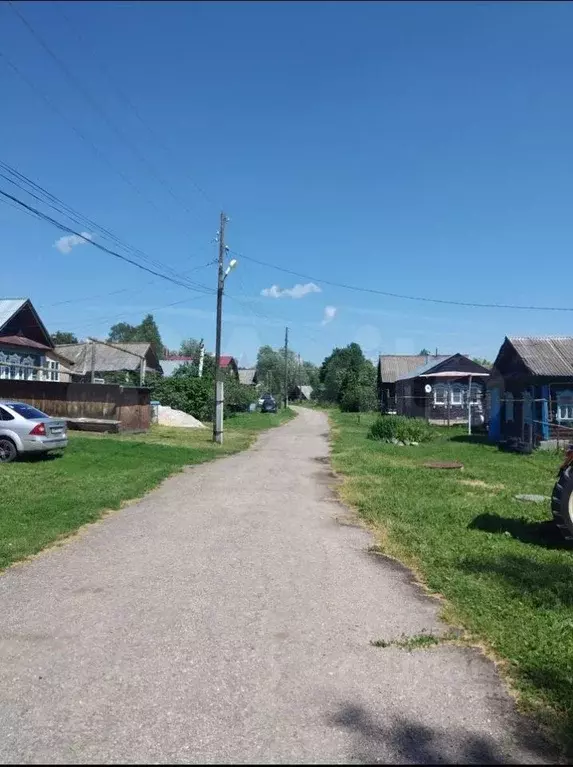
[[26, 411]]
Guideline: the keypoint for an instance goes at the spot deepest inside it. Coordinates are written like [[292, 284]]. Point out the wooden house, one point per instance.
[[531, 390], [390, 368], [27, 352], [105, 358], [442, 390]]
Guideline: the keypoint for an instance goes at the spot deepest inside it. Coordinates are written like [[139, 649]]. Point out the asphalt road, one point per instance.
[[227, 617]]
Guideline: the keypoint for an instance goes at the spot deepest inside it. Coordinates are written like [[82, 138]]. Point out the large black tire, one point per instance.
[[8, 450], [562, 502]]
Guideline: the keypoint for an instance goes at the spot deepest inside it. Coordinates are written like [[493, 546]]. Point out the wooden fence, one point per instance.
[[129, 405]]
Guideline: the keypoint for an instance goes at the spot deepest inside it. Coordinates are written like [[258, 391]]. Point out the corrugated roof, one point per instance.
[[247, 376], [170, 366], [546, 356], [395, 366], [431, 363], [108, 359], [9, 307]]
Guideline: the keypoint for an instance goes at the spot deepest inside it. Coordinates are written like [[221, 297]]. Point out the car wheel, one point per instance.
[[8, 450], [562, 502]]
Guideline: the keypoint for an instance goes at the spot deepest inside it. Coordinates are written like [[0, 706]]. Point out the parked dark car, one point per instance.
[[269, 405]]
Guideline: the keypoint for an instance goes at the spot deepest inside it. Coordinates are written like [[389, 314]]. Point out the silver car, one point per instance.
[[25, 429]]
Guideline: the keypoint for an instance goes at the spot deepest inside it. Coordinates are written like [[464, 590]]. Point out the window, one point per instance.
[[457, 395], [5, 415], [53, 373], [28, 368], [14, 360], [4, 369], [508, 406], [26, 411], [439, 394], [565, 406]]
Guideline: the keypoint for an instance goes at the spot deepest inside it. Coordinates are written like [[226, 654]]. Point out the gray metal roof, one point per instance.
[[247, 376], [395, 366], [170, 366], [107, 358], [9, 307], [546, 356], [421, 369]]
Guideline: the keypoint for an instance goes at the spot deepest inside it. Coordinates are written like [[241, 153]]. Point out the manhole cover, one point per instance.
[[443, 465]]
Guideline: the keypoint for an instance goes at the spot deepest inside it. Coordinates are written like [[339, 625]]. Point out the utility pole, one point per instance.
[[219, 392], [142, 372], [286, 368]]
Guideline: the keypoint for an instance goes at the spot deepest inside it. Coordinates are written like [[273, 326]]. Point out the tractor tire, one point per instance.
[[562, 502]]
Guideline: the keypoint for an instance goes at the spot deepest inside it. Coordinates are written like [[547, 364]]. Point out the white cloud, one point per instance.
[[66, 243], [298, 291], [329, 314]]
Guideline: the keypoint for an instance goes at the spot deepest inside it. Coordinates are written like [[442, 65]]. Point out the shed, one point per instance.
[[248, 376]]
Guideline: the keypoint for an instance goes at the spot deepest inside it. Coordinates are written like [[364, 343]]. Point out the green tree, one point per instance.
[[346, 370], [425, 351], [190, 347], [271, 370], [482, 361], [146, 331], [61, 337]]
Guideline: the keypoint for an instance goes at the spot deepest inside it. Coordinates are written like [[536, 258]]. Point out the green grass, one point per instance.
[[47, 499], [506, 574]]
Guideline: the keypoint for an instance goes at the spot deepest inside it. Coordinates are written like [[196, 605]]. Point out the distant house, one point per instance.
[[531, 390], [27, 351], [302, 393], [229, 364], [173, 363], [248, 376], [390, 368], [107, 358], [439, 389]]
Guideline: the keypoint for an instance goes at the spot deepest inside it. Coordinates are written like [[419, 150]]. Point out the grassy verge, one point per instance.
[[44, 500], [505, 573]]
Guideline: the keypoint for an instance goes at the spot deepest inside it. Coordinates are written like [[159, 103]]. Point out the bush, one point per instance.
[[191, 395], [389, 427], [358, 399]]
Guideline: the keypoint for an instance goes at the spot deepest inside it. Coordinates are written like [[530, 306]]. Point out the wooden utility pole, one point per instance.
[[219, 393], [286, 368]]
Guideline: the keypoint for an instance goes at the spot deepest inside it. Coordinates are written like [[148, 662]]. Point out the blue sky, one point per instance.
[[423, 149]]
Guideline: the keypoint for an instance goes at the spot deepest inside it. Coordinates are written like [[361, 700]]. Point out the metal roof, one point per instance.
[[170, 366], [108, 359], [545, 356], [426, 366], [394, 366], [9, 307], [247, 376]]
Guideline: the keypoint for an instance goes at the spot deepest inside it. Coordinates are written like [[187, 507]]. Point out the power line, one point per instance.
[[116, 292], [96, 107], [68, 230], [123, 96], [100, 155], [61, 207], [399, 295]]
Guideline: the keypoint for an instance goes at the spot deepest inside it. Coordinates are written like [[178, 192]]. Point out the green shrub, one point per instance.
[[358, 399], [191, 395], [389, 427]]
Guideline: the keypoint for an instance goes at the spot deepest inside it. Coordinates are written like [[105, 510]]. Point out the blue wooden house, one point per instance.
[[531, 391]]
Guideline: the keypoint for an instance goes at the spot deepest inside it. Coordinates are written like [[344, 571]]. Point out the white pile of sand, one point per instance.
[[169, 417]]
